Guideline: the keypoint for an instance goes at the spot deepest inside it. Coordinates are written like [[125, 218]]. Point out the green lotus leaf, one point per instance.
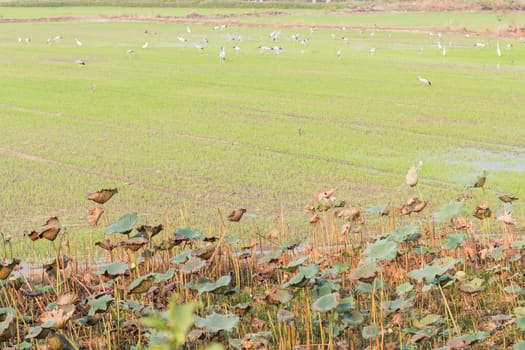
[[345, 304], [370, 332], [377, 209], [326, 303], [269, 257], [324, 287], [454, 240], [382, 249], [430, 272], [181, 258], [353, 319], [518, 244], [309, 271], [497, 253], [193, 265], [221, 283], [189, 233], [159, 277], [37, 333], [216, 322], [404, 288], [294, 265], [337, 268], [290, 245], [364, 271], [404, 233], [232, 239], [49, 324], [368, 288], [472, 338], [449, 211], [475, 285], [430, 320], [398, 305], [100, 304], [124, 225], [297, 281]]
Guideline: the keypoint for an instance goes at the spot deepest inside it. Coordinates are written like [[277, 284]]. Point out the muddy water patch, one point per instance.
[[512, 159]]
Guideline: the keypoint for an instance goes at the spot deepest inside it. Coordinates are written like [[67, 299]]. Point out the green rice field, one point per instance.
[[174, 129]]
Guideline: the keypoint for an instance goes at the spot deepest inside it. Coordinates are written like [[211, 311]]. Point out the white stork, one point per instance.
[[424, 81]]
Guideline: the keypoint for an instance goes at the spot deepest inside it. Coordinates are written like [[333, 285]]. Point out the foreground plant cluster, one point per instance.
[[382, 278]]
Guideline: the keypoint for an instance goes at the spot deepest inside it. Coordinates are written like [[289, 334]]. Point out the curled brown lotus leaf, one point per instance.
[[464, 197], [204, 253], [10, 331], [7, 267], [143, 286], [507, 198], [33, 235], [324, 194], [102, 196], [95, 213], [265, 271], [309, 209], [150, 231], [350, 214], [257, 323], [413, 205], [134, 243], [315, 219], [106, 244], [482, 211], [236, 215], [50, 229], [460, 223], [60, 315], [67, 299], [241, 310]]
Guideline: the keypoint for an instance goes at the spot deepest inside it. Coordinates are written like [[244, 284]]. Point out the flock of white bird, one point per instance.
[[274, 37]]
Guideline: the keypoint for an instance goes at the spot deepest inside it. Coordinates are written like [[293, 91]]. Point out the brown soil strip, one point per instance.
[[227, 19]]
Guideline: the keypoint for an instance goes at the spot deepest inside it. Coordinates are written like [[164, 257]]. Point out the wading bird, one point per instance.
[[498, 50], [146, 44], [79, 43], [424, 81], [236, 215], [181, 39], [338, 53], [222, 54], [80, 62]]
